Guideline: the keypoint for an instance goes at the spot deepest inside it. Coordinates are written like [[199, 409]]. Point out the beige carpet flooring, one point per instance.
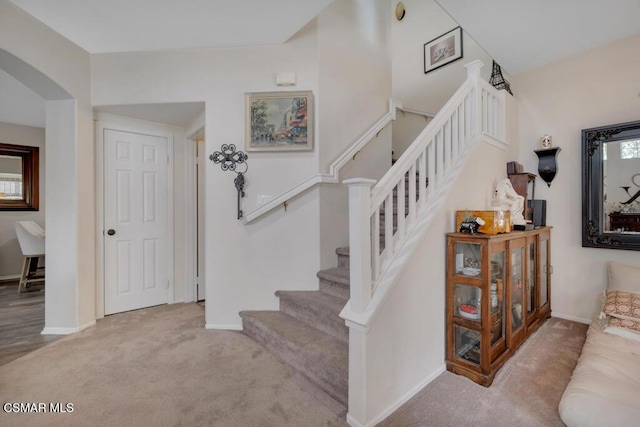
[[525, 392], [160, 367]]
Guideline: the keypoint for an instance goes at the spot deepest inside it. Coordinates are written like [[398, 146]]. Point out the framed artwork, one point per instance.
[[443, 50], [279, 121]]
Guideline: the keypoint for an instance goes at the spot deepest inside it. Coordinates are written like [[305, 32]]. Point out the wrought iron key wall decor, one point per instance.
[[228, 158]]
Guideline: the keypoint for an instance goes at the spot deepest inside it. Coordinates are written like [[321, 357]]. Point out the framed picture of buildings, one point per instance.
[[279, 121], [443, 50]]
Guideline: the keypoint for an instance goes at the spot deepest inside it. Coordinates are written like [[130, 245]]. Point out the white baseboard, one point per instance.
[[10, 277], [392, 408], [66, 331], [223, 327], [572, 318]]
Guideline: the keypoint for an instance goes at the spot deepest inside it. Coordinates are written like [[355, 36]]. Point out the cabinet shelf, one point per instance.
[[498, 289]]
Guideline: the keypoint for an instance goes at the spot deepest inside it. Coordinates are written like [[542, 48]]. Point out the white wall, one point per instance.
[[246, 263], [57, 69], [10, 253], [424, 21], [592, 89], [406, 129], [355, 88]]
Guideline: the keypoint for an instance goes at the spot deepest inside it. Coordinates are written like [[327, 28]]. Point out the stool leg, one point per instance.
[[25, 273]]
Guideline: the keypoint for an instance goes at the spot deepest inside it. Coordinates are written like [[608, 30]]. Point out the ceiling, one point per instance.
[[519, 34], [176, 114], [101, 26], [525, 34]]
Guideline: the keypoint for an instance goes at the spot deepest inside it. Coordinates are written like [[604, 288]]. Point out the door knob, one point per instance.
[[111, 232]]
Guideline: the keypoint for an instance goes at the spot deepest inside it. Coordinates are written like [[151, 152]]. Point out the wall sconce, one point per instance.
[[547, 165], [286, 79], [400, 11], [227, 158]]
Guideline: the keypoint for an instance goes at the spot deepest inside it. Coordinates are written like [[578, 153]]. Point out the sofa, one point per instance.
[[604, 390]]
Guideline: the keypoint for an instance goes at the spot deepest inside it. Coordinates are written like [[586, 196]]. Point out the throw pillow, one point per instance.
[[623, 277], [622, 305]]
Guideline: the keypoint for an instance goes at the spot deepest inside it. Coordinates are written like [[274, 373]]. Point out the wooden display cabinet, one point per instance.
[[498, 293]]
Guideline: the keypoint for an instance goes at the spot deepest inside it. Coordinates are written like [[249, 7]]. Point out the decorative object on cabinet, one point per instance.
[[520, 182], [545, 141], [497, 80], [498, 293], [279, 121], [227, 158], [547, 165], [505, 197], [443, 50], [494, 222], [604, 150]]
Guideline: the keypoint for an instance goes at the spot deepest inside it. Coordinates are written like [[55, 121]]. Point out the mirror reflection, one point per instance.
[[11, 181], [621, 186]]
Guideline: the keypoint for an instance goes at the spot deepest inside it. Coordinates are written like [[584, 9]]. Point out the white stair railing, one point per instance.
[[381, 241]]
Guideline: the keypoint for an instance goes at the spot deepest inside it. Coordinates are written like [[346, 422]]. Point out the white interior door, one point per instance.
[[135, 221], [200, 162]]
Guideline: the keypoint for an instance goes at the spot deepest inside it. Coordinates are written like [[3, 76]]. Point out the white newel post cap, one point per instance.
[[359, 182], [473, 68]]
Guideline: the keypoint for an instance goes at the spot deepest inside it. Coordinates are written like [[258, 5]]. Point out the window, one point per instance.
[[630, 149]]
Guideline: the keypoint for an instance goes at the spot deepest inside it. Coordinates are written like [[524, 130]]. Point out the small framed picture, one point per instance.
[[279, 121], [443, 50]]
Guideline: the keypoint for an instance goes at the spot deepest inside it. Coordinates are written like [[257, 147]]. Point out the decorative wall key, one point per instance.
[[228, 157]]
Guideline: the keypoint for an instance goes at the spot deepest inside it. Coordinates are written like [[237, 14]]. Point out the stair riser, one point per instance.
[[334, 384], [334, 288], [328, 322], [343, 260]]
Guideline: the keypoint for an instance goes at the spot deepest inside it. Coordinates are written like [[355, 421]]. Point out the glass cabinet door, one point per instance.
[[532, 292], [467, 302], [517, 288], [467, 344], [496, 296], [544, 272], [468, 259]]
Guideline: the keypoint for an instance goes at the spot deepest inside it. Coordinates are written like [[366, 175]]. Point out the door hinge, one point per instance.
[[167, 283]]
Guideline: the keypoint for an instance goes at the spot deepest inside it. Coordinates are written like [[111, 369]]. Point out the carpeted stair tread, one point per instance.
[[335, 281], [336, 274], [320, 357], [318, 309]]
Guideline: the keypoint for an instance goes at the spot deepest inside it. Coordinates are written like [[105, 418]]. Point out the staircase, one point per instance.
[[307, 333]]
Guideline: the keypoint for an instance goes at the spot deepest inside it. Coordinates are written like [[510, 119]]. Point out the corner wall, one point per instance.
[[424, 21], [58, 70], [595, 88]]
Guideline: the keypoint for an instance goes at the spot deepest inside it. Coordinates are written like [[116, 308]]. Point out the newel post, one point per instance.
[[473, 74], [360, 241]]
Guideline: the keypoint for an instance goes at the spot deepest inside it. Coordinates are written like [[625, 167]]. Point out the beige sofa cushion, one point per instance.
[[605, 384]]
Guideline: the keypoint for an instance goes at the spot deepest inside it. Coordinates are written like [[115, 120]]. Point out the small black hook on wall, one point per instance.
[[227, 158]]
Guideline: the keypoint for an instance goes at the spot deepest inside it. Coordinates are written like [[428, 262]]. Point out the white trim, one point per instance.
[[333, 177], [190, 228], [426, 114], [223, 327], [67, 331], [106, 121], [10, 277], [572, 318], [195, 128]]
